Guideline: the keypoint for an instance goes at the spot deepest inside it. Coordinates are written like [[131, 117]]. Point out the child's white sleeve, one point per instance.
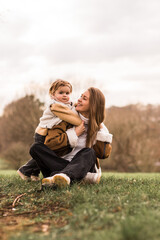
[[49, 119], [103, 134]]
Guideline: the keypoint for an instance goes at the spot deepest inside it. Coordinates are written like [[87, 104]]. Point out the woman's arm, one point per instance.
[[63, 136], [102, 146], [57, 138], [104, 135], [74, 133]]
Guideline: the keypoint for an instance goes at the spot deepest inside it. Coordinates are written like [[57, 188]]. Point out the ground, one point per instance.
[[122, 206]]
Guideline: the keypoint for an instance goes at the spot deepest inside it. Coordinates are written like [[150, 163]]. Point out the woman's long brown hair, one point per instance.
[[96, 114]]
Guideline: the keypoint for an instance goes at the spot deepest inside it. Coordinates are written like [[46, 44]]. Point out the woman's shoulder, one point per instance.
[[103, 134]]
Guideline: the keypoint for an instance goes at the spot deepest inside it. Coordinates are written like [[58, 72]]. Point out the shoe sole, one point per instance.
[[60, 181]]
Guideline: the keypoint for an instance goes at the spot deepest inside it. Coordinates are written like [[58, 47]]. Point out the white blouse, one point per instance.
[[78, 143]]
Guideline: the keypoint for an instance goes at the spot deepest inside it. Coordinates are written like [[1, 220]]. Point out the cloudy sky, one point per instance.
[[110, 44]]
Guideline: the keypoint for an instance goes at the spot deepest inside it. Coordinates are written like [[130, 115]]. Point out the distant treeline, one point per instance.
[[136, 138], [17, 127], [135, 129]]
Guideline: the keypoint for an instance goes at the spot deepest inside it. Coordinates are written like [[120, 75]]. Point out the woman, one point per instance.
[[79, 142]]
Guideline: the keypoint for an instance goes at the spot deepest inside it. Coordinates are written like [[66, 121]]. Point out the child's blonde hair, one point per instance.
[[59, 83]]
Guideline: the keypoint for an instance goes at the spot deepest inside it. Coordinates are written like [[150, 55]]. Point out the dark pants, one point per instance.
[[50, 164], [31, 167]]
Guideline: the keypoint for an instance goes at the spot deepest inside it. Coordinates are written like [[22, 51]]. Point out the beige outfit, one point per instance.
[[54, 114]]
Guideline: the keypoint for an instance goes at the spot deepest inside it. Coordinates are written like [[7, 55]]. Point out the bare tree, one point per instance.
[[17, 126], [136, 134]]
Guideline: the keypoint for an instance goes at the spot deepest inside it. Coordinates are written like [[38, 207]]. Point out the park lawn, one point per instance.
[[121, 207]]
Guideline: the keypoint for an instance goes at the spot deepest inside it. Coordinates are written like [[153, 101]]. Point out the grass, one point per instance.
[[121, 207]]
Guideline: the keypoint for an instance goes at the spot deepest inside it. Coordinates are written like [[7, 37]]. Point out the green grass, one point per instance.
[[7, 172], [121, 207]]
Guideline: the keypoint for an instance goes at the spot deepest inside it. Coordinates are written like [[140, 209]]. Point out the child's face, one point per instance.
[[62, 94]]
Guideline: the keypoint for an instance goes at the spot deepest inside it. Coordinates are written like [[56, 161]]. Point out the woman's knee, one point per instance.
[[34, 148], [91, 151], [87, 150], [88, 153]]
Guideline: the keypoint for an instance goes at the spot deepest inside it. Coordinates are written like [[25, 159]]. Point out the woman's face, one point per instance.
[[83, 104]]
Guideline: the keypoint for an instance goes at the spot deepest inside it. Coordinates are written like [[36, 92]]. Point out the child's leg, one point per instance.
[[46, 159]]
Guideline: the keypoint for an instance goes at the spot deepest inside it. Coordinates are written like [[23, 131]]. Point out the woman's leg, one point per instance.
[[30, 168], [83, 162], [47, 160]]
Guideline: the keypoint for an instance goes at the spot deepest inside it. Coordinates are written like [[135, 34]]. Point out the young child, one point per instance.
[[59, 92]]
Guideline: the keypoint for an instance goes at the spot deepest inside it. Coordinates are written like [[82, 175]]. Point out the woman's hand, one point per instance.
[[80, 129]]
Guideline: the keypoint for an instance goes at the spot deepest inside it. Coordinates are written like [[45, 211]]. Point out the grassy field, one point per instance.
[[121, 207]]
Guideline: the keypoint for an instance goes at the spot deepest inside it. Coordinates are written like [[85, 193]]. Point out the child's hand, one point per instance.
[[80, 129]]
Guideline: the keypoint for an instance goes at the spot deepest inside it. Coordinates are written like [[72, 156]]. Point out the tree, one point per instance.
[[17, 126], [136, 136]]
